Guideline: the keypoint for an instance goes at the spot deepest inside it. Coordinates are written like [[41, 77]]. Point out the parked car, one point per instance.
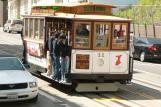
[[15, 25], [16, 83], [147, 48]]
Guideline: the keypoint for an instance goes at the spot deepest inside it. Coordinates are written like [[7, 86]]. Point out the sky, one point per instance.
[[116, 2]]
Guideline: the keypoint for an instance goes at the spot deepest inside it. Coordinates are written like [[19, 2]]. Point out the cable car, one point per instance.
[[99, 44]]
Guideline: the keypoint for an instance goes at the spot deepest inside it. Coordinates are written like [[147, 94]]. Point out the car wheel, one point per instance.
[[19, 32], [8, 31], [142, 57], [4, 30], [34, 99]]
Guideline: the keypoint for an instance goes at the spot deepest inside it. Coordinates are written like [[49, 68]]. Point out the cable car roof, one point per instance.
[[81, 17], [73, 8], [39, 4]]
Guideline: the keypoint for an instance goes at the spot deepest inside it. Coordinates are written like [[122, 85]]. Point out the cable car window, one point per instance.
[[36, 30], [62, 24], [41, 29], [101, 35], [26, 27], [119, 38], [55, 24], [82, 34], [31, 28]]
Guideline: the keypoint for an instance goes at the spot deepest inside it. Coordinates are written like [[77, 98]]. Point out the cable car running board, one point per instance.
[[96, 87]]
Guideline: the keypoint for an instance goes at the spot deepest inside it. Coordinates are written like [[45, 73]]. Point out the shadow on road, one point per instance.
[[128, 92], [151, 61]]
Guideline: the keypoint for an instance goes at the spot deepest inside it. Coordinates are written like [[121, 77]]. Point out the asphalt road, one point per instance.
[[151, 66], [44, 100]]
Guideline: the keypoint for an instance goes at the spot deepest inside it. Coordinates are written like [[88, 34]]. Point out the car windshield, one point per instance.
[[154, 40], [17, 22], [9, 63], [140, 40]]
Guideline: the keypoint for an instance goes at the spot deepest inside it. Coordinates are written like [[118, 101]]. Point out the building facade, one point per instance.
[[3, 11], [17, 8]]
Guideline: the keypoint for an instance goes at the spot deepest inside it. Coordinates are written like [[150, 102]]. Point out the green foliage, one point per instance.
[[145, 12]]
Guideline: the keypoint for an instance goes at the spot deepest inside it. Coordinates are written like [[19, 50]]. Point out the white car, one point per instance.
[[16, 83], [15, 25]]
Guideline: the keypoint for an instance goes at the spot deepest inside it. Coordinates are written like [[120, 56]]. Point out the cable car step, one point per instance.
[[96, 87]]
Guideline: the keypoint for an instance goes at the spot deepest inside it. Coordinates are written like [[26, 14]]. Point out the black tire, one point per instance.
[[19, 32], [34, 99], [4, 30], [142, 56], [8, 31], [74, 85]]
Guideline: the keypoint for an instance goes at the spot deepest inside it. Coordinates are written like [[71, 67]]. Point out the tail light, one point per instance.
[[152, 48]]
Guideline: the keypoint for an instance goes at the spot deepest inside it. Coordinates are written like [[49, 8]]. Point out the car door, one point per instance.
[[7, 24], [139, 46], [135, 47]]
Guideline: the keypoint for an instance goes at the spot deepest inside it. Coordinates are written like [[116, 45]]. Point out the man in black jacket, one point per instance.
[[64, 56], [56, 57]]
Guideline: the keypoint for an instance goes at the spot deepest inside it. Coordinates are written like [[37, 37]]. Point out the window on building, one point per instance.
[[26, 6], [58, 1], [34, 1], [82, 1], [71, 1]]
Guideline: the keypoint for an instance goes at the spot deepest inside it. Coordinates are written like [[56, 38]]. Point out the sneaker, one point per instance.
[[61, 81], [56, 80], [51, 76], [64, 81]]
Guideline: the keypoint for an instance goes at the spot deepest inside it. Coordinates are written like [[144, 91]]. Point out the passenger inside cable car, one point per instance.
[[82, 30]]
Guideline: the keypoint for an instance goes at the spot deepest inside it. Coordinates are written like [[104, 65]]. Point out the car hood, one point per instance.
[[15, 76]]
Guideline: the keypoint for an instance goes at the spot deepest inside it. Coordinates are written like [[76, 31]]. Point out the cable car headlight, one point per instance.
[[100, 62], [32, 84]]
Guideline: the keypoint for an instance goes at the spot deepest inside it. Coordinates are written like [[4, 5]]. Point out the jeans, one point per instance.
[[56, 68], [64, 67]]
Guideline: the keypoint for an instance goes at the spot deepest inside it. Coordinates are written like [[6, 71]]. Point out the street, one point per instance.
[[145, 90], [149, 66], [45, 100]]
